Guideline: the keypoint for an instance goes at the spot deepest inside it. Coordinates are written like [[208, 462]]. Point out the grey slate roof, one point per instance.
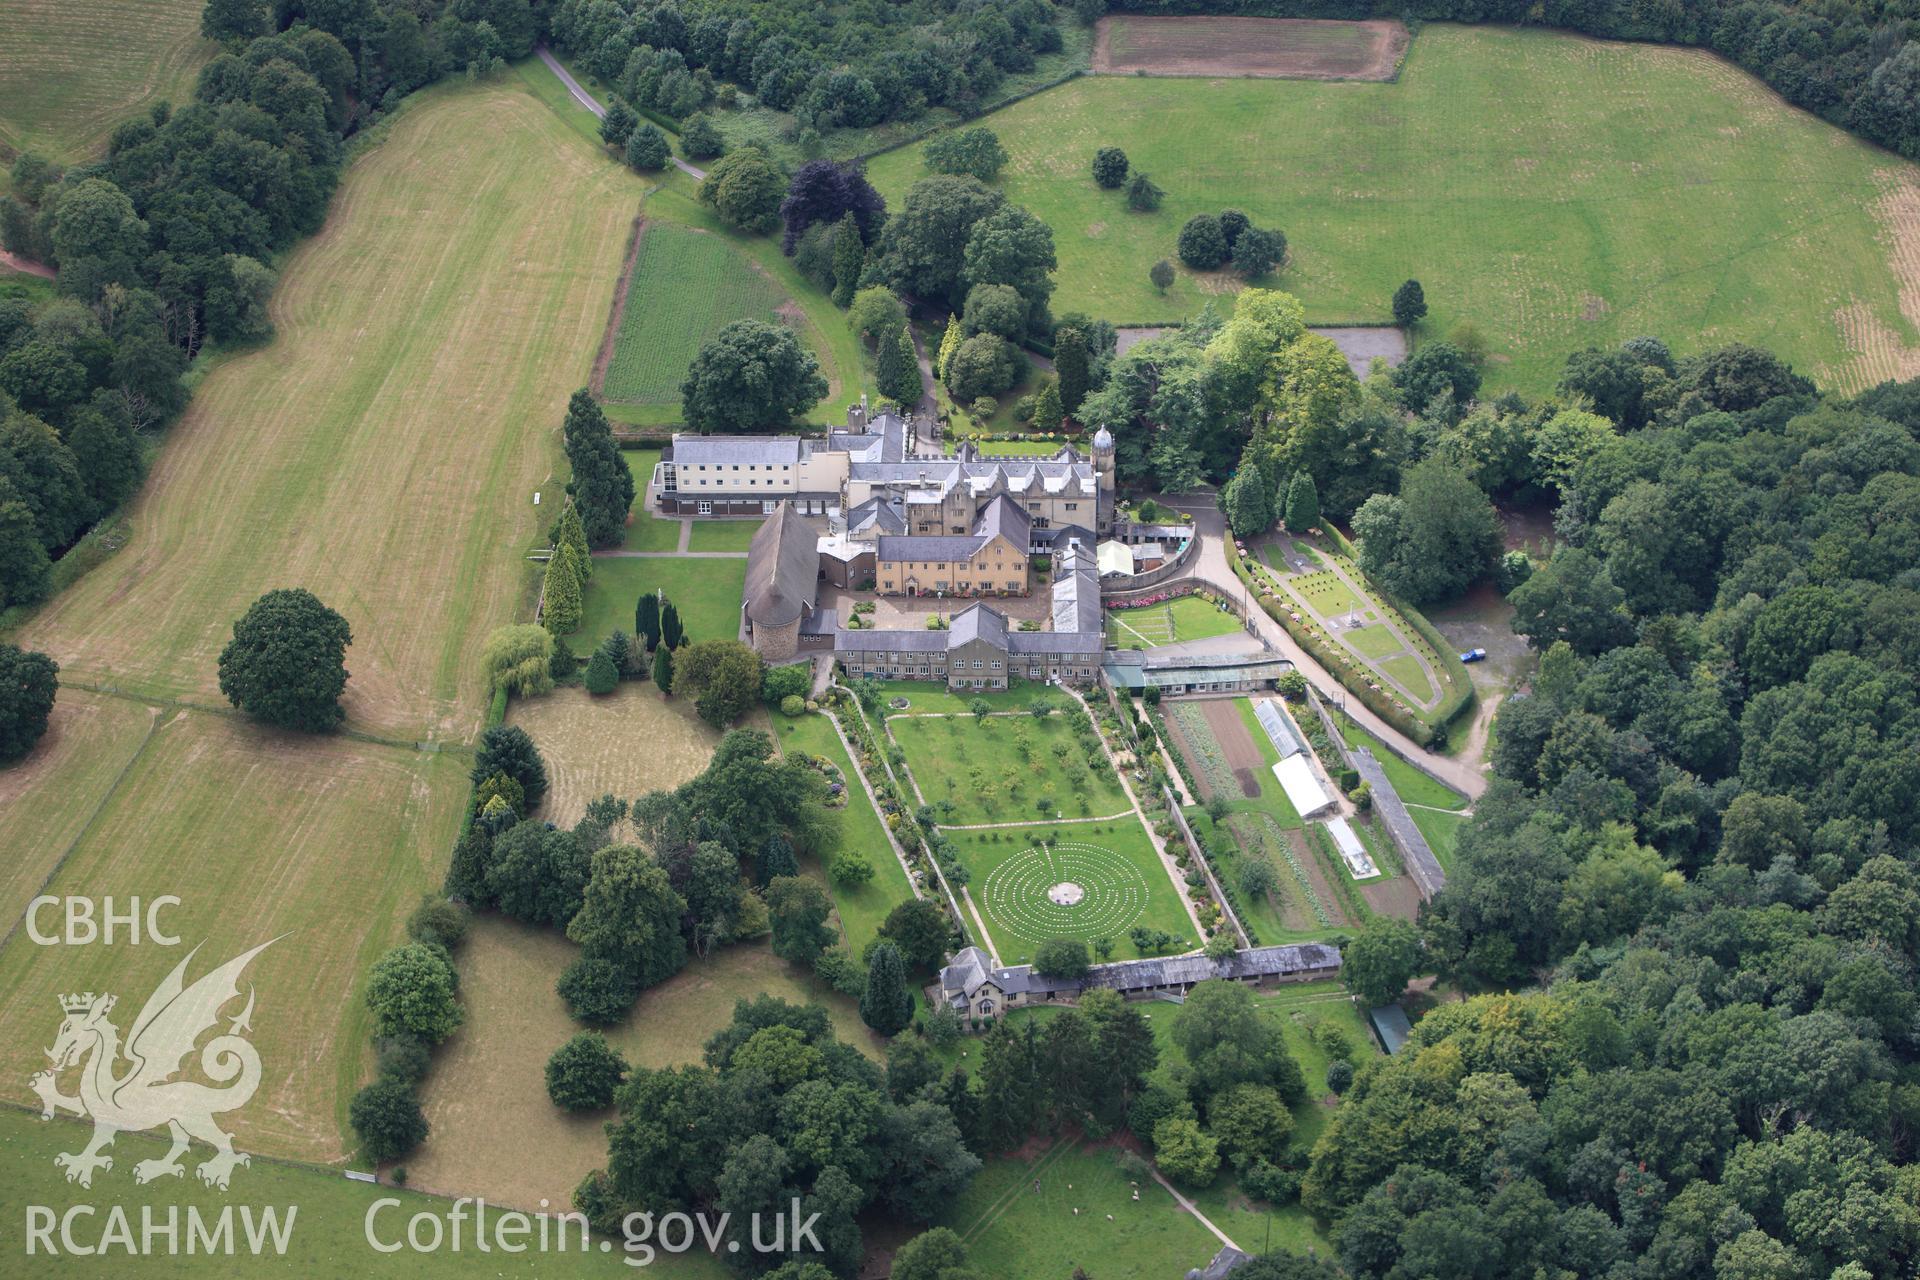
[[979, 622], [943, 548], [1054, 642], [891, 640], [1142, 975], [1225, 1262], [1003, 517], [878, 513], [711, 451], [783, 569]]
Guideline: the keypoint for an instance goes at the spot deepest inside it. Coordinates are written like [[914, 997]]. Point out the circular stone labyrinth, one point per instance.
[[1069, 891]]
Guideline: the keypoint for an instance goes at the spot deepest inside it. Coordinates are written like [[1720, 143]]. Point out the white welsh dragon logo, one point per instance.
[[145, 1095]]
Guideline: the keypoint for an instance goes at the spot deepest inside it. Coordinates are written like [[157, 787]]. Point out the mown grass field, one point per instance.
[[384, 450], [328, 1241], [1015, 1232], [495, 1131], [978, 767], [381, 452], [70, 70], [864, 909], [1553, 190], [706, 591], [624, 743], [686, 286], [1188, 618], [325, 844]]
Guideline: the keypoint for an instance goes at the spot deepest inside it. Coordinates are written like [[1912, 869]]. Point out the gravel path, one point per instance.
[[588, 101]]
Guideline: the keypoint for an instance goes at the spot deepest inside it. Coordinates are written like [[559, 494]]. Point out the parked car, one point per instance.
[[1473, 655]]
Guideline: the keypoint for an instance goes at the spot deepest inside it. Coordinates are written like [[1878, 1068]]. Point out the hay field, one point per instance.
[[686, 286], [495, 1132], [70, 70], [627, 742], [1553, 190], [384, 450], [52, 796], [327, 841], [1284, 48]]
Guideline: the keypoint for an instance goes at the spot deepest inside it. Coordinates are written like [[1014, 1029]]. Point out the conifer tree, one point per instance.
[[572, 532], [672, 634], [849, 256], [646, 621], [1303, 503], [560, 609], [887, 1005], [602, 676], [602, 487], [663, 670], [1046, 408], [1070, 362], [898, 372], [949, 343]]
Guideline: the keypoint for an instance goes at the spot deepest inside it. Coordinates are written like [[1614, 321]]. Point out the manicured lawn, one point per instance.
[[862, 910], [70, 72], [1548, 188], [722, 535], [1407, 672], [1187, 618], [707, 593], [645, 530], [928, 697], [1014, 1232], [1442, 831], [1412, 785], [1114, 864], [1001, 769], [1372, 641], [1326, 594], [686, 285]]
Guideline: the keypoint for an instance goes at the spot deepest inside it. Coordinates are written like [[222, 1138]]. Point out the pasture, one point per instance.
[[70, 70], [1122, 881], [627, 743], [322, 843], [1006, 768], [384, 450], [706, 592], [495, 1131], [686, 285], [863, 909], [1553, 190]]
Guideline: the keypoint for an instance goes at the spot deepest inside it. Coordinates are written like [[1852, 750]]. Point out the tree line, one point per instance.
[[164, 244], [847, 67], [1855, 63]]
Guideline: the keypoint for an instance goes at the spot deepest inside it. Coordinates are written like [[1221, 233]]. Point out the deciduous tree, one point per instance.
[[28, 683], [286, 664], [1110, 167], [752, 376]]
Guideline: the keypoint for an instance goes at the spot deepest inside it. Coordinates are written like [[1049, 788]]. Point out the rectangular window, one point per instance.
[[996, 666], [706, 508]]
